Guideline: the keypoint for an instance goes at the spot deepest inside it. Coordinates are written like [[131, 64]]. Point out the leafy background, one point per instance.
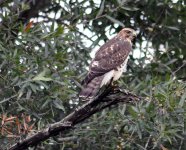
[[42, 63]]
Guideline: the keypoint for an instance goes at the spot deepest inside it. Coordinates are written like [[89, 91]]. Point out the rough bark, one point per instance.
[[108, 98]]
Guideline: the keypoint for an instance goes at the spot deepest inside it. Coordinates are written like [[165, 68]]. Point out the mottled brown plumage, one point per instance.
[[109, 62]]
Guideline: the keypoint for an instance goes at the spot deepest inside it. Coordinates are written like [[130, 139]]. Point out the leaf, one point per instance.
[[123, 109], [172, 28], [162, 147], [41, 76], [182, 100], [28, 26], [171, 61], [14, 80], [22, 90], [46, 103], [58, 104], [115, 20], [130, 8], [42, 84], [179, 136], [47, 35], [59, 30], [28, 94], [10, 119], [132, 112]]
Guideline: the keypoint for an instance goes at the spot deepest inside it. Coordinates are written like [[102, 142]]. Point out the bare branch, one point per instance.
[[108, 98]]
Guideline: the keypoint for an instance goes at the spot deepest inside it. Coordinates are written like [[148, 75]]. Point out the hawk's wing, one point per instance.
[[111, 55]]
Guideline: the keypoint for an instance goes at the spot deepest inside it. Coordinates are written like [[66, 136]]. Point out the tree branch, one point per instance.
[[106, 99]]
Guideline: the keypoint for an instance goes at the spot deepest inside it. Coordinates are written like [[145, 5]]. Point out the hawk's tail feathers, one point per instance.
[[91, 89]]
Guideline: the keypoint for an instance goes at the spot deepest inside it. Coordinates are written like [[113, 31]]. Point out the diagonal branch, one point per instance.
[[108, 98]]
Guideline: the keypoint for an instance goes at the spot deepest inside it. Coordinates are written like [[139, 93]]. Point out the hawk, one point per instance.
[[109, 63]]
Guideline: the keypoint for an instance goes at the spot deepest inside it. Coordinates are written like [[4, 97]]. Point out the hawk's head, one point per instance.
[[128, 33]]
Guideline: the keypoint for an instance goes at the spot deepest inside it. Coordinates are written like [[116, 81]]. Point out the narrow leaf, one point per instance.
[[114, 20], [41, 77], [172, 28], [182, 100]]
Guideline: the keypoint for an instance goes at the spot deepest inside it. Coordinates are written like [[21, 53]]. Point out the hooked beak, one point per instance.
[[134, 34]]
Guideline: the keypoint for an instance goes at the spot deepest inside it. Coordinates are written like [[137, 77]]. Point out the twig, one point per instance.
[[179, 68], [7, 99], [146, 145]]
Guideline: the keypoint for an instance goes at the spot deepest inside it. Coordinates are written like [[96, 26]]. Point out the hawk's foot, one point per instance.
[[115, 89]]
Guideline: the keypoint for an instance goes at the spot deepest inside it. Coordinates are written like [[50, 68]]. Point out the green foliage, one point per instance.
[[41, 69]]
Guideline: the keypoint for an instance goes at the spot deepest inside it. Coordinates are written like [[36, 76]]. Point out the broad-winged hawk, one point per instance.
[[109, 63]]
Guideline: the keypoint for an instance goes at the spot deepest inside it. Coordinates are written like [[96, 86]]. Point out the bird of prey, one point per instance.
[[109, 63]]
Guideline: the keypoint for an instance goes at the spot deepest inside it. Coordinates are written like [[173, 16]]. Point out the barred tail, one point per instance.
[[91, 89]]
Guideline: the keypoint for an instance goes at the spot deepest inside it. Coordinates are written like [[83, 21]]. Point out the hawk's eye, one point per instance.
[[128, 32]]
